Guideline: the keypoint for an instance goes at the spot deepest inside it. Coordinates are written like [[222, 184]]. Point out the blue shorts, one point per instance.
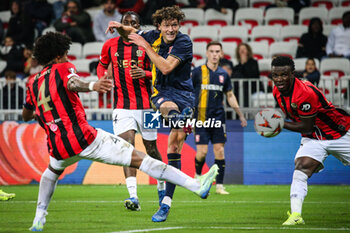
[[215, 135], [181, 98]]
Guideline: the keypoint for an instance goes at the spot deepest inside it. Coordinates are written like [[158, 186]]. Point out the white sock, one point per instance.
[[160, 185], [161, 171], [131, 186], [167, 200], [298, 191], [47, 186]]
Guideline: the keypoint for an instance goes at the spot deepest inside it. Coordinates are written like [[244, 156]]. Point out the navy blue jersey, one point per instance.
[[210, 87], [181, 49]]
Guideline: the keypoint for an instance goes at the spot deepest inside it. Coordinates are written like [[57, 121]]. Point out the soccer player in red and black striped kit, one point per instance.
[[324, 129], [132, 79], [52, 99]]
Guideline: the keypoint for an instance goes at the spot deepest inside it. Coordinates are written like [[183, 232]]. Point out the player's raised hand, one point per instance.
[[136, 72], [103, 85], [112, 25], [138, 40]]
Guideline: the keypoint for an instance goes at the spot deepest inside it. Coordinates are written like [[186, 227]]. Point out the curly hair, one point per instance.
[[50, 46], [167, 13], [283, 61]]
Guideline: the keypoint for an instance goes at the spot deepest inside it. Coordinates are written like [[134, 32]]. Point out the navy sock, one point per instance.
[[221, 165], [199, 166], [174, 160]]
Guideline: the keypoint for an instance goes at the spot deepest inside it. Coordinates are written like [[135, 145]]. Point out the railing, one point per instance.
[[253, 95]]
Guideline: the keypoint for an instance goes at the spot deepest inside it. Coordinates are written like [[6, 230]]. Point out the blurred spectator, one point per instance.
[[12, 93], [20, 27], [31, 65], [151, 7], [76, 23], [130, 5], [247, 68], [295, 4], [338, 44], [108, 13], [58, 8], [311, 73], [219, 5], [13, 55], [313, 43], [41, 13], [226, 64]]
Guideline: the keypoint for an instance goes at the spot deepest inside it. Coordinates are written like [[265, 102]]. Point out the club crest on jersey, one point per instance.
[[139, 53], [116, 54], [198, 137], [170, 48], [221, 78], [294, 105]]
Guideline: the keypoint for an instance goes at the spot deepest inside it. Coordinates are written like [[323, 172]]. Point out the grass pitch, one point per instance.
[[85, 208]]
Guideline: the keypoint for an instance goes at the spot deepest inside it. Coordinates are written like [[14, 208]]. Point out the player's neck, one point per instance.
[[212, 66]]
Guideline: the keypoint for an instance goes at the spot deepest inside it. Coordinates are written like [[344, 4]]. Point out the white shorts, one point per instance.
[[106, 148], [127, 119], [320, 149]]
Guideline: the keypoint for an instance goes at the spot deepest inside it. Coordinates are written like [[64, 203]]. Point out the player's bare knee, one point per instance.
[[136, 158], [306, 165]]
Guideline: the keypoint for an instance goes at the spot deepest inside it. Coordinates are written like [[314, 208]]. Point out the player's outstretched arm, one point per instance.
[[103, 85], [123, 30], [164, 65], [305, 126], [232, 101]]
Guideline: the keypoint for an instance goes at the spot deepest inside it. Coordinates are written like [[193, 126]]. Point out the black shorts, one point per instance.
[[215, 135]]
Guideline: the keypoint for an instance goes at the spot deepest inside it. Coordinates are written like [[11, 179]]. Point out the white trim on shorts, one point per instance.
[[106, 148], [130, 119], [320, 149]]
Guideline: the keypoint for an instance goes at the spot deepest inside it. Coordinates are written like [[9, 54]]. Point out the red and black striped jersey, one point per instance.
[[59, 111], [128, 93], [305, 101]]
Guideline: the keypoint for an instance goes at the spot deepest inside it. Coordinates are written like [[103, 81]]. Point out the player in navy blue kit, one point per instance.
[[211, 82], [171, 54]]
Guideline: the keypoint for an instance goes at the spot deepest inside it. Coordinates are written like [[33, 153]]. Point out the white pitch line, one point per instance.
[[201, 202], [235, 228]]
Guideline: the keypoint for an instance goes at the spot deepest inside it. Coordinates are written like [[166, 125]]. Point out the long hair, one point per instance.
[[249, 49]]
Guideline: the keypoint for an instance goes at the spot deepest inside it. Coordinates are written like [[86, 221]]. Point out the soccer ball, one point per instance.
[[268, 122]]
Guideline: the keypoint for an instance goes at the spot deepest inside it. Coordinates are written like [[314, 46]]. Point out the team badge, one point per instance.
[[221, 78], [305, 107], [116, 54], [198, 137], [53, 127], [139, 53], [170, 48], [294, 105]]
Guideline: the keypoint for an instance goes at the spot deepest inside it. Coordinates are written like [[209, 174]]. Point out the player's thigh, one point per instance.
[[340, 148], [147, 134], [108, 148], [123, 121], [315, 149], [60, 165]]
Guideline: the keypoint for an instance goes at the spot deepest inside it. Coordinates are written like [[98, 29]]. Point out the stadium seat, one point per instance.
[[92, 50], [75, 51], [199, 50], [89, 99], [5, 18], [48, 29], [264, 66], [335, 15], [307, 13], [324, 3], [260, 49], [199, 62], [193, 17], [263, 100], [242, 3], [93, 12], [345, 3], [300, 63], [236, 34], [82, 66], [229, 49], [327, 28], [3, 65], [204, 33], [266, 33], [185, 30], [283, 48], [249, 17], [293, 32], [261, 3], [213, 17], [279, 16], [336, 67]]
